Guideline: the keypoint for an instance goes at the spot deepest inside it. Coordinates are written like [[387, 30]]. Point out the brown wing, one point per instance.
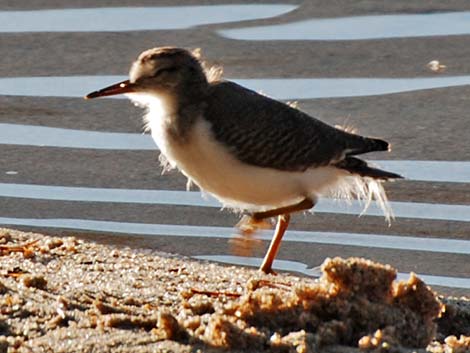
[[264, 132]]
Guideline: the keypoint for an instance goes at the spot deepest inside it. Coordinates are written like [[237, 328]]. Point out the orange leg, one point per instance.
[[282, 224], [283, 214]]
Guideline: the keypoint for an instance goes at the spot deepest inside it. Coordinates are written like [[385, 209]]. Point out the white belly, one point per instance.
[[216, 171]]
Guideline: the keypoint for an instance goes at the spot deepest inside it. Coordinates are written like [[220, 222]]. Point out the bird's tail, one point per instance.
[[358, 166], [360, 145], [365, 183]]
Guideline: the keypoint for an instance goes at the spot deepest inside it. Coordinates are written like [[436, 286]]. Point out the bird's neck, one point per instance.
[[176, 111]]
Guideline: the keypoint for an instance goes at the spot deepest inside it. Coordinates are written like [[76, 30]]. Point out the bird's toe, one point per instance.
[[249, 225]]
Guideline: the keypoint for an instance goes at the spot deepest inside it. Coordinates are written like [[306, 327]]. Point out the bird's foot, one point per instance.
[[268, 271], [245, 241]]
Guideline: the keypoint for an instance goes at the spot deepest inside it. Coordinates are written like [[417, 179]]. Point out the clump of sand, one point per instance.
[[352, 300], [67, 295]]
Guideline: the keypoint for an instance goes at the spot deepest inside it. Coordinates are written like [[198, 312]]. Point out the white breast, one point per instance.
[[215, 170]]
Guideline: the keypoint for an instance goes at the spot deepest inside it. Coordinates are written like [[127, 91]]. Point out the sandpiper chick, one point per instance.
[[251, 152]]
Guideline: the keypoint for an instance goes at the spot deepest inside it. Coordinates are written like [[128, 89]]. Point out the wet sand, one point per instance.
[[63, 294], [432, 124]]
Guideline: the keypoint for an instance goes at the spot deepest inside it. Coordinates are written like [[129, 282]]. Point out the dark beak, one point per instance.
[[117, 88]]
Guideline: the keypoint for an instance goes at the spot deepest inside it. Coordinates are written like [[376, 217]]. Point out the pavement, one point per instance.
[[430, 125]]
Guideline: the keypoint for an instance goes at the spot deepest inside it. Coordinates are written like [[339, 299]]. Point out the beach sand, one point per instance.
[[62, 294]]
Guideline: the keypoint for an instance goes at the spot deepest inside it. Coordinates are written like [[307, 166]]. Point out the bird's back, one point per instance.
[[264, 132]]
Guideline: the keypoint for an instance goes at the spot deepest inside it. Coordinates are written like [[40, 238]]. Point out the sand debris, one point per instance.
[[436, 66], [26, 249], [77, 296]]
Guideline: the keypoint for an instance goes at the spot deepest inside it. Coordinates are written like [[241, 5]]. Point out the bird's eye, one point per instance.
[[166, 69]]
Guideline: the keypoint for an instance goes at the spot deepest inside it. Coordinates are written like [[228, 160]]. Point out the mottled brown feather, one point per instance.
[[267, 133]]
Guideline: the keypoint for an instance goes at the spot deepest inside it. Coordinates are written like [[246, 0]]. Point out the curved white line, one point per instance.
[[279, 88], [56, 86], [279, 265], [117, 19], [185, 198], [359, 27], [43, 136], [441, 245], [434, 171], [299, 267], [85, 194], [313, 88], [219, 232]]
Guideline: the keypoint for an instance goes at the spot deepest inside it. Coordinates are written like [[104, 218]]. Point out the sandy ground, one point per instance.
[[62, 294], [421, 125]]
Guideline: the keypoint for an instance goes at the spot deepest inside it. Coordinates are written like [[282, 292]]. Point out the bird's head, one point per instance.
[[160, 71]]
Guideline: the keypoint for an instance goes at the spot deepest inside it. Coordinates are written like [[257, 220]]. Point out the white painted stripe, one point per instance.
[[56, 86], [193, 198], [279, 88], [435, 171], [65, 193], [308, 88], [440, 245], [299, 267], [43, 136], [359, 27], [278, 265], [172, 230], [116, 19], [416, 210]]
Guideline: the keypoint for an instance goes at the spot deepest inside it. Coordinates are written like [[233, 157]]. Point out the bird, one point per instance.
[[253, 153]]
